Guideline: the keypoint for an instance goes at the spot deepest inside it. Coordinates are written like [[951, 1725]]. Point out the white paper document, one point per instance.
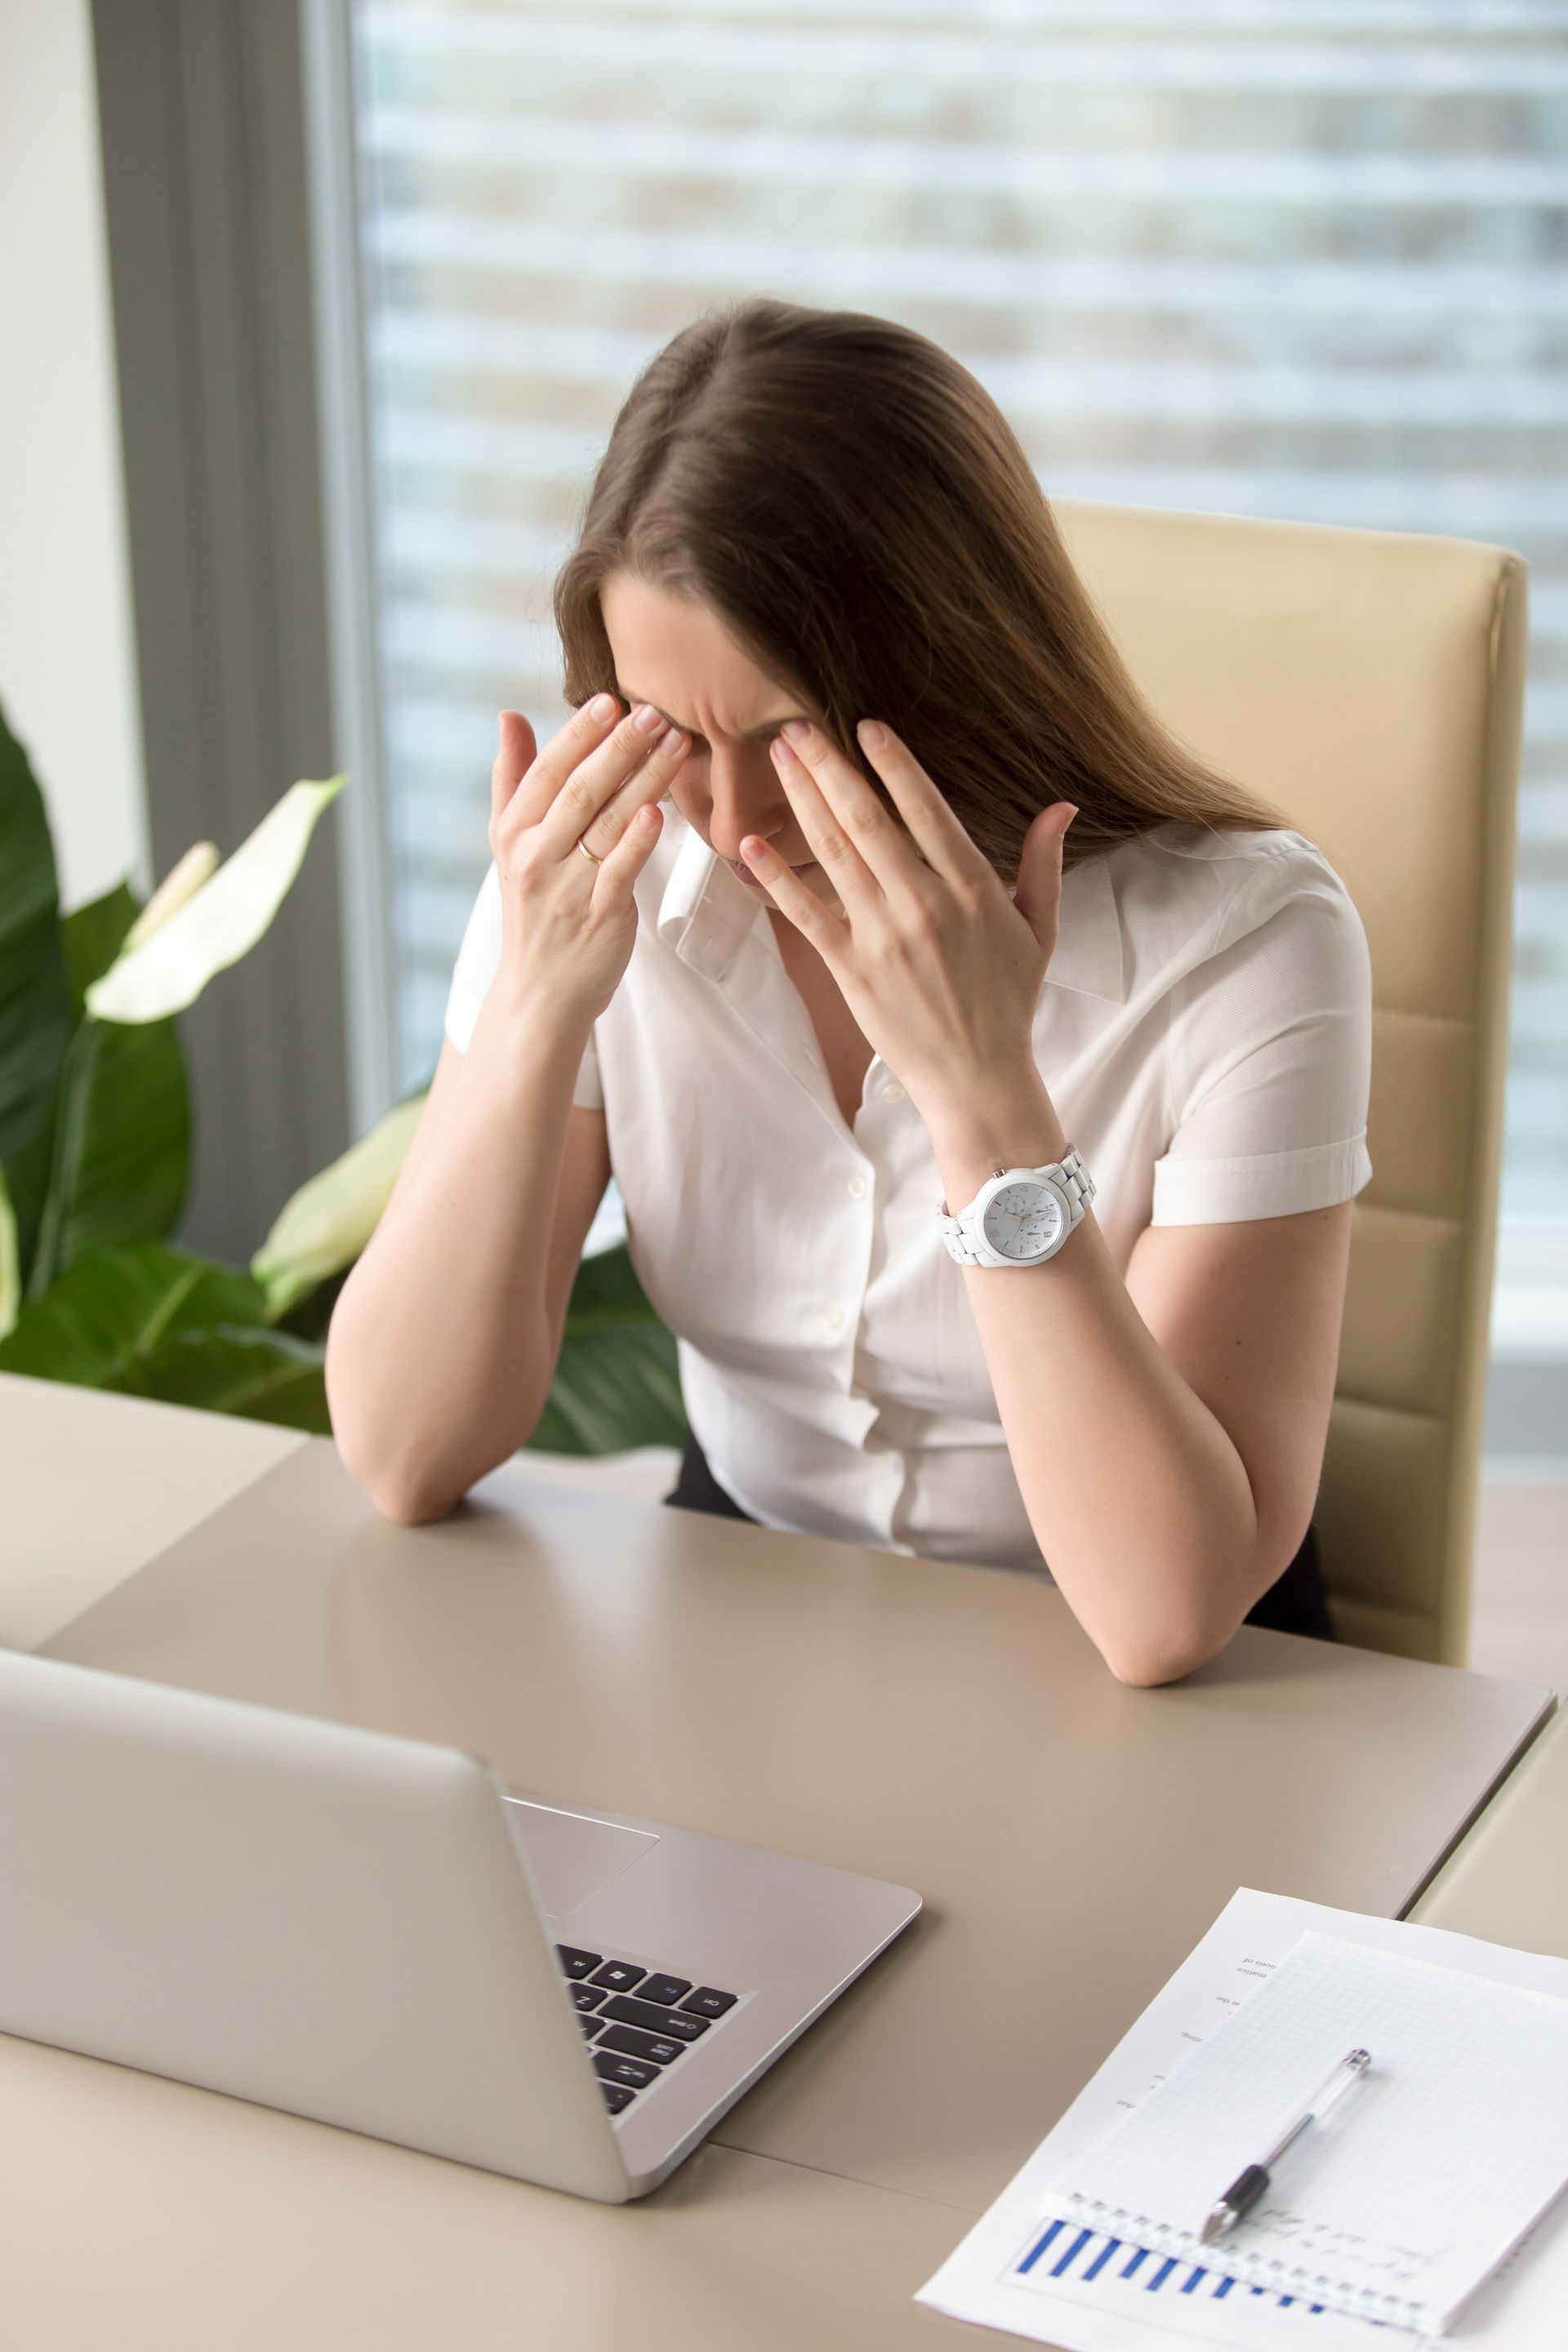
[[1424, 2178], [1044, 2267]]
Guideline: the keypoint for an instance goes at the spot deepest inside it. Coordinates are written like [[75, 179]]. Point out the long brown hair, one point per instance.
[[857, 511]]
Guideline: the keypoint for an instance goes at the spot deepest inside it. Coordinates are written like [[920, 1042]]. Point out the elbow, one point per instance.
[[386, 1465], [1166, 1655], [1186, 1628], [409, 1505], [1147, 1668], [396, 1489], [402, 1487]]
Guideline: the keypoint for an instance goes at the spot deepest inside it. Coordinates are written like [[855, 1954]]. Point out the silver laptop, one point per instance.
[[371, 1931]]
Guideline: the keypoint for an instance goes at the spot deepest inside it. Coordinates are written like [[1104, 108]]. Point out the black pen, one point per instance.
[[1247, 2187]]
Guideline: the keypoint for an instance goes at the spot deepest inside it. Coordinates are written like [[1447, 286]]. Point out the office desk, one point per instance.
[[947, 1726], [93, 1485], [1507, 1880]]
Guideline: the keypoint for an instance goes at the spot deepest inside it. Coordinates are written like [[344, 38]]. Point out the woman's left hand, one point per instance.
[[940, 967]]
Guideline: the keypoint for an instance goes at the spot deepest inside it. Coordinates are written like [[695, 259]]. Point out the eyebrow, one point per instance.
[[748, 734]]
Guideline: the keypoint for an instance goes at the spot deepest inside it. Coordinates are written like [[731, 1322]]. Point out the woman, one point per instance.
[[862, 962]]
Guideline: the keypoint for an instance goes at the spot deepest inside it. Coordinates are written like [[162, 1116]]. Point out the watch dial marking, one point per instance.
[[1023, 1221]]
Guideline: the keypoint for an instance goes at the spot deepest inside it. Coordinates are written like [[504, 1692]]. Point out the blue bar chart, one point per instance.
[[1062, 2253]]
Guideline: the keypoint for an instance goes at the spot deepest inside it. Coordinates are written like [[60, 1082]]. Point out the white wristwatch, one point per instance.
[[1020, 1216]]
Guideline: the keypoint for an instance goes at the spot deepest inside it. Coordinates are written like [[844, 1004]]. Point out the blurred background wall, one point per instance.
[[68, 671]]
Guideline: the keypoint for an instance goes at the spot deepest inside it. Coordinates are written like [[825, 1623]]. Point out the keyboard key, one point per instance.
[[640, 2045], [620, 1976], [635, 2072], [586, 1996], [590, 2026], [617, 2096], [666, 1990], [574, 1962], [706, 2001], [671, 2022]]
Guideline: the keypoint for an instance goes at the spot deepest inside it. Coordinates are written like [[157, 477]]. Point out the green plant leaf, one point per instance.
[[613, 1391], [10, 1262], [309, 1317], [221, 923], [121, 1146], [618, 1385], [101, 1322], [35, 994], [607, 1297], [122, 1130], [92, 937], [260, 1374], [328, 1222]]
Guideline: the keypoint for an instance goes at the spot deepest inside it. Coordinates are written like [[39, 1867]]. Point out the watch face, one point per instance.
[[1022, 1222]]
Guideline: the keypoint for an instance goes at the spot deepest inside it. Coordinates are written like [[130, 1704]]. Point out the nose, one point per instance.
[[745, 797]]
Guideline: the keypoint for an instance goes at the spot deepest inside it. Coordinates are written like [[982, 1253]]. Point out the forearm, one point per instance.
[[1139, 1502], [441, 1354]]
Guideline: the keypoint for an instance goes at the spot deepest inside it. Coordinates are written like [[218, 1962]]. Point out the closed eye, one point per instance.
[[762, 734]]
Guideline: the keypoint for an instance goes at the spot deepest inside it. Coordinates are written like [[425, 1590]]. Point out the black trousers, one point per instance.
[[1299, 1603]]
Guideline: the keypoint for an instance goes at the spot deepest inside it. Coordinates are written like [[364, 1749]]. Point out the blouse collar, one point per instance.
[[706, 913]]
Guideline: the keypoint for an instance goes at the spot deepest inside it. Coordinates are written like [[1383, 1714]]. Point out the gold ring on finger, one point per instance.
[[588, 854]]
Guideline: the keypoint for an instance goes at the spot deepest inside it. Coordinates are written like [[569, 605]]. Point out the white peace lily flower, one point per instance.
[[181, 882], [10, 1264], [329, 1221], [220, 922]]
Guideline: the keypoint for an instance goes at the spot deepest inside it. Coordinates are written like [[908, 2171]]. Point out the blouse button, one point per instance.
[[857, 1188], [892, 1091], [834, 1319]]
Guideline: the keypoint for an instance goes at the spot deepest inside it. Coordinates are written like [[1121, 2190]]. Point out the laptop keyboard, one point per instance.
[[639, 2021]]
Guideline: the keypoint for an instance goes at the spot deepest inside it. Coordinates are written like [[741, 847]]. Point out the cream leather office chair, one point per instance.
[[1369, 685]]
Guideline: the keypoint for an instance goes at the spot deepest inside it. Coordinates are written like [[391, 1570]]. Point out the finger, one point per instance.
[[596, 779], [1038, 895], [830, 845], [584, 731], [827, 930], [617, 877], [933, 828], [878, 840], [516, 756], [642, 788]]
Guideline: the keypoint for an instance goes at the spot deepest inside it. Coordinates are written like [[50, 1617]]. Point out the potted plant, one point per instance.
[[95, 1138]]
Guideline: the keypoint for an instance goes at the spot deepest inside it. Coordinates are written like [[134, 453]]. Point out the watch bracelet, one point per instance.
[[1075, 1181]]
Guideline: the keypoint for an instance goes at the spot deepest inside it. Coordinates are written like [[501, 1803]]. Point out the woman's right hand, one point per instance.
[[567, 925]]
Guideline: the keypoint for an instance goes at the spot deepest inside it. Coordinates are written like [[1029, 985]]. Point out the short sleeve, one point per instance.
[[471, 976], [1271, 1057]]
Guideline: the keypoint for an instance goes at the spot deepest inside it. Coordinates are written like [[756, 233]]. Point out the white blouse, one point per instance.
[[1204, 1032]]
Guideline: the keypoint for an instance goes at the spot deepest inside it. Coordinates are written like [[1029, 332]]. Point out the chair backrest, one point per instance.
[[1369, 685]]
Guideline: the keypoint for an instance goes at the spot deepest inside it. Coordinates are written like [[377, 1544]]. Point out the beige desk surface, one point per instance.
[[949, 1728], [141, 2216], [93, 1485]]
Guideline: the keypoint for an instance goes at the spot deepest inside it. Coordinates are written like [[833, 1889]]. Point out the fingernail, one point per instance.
[[872, 734], [1072, 811], [648, 718], [782, 756], [797, 729], [601, 706]]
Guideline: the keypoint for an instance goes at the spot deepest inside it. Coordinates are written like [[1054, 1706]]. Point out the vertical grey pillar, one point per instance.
[[204, 154]]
